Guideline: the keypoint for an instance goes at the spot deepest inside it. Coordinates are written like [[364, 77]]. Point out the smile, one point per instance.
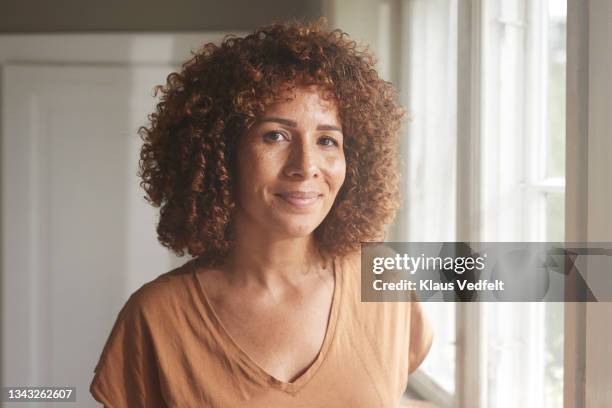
[[300, 199]]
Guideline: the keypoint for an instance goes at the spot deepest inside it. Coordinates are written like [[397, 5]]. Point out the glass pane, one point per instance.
[[555, 203], [555, 217], [523, 351], [440, 363], [429, 151], [522, 343], [553, 369], [513, 363], [555, 164]]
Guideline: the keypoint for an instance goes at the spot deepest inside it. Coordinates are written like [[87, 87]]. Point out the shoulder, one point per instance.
[[381, 315], [354, 263], [349, 267], [164, 293], [367, 253], [352, 260], [127, 372], [392, 325]]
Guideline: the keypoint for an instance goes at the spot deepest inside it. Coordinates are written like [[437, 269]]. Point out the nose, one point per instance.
[[302, 162]]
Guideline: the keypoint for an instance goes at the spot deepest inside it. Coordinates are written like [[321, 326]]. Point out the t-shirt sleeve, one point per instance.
[[127, 374], [421, 335]]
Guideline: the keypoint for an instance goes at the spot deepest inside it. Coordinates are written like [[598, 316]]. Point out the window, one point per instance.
[[514, 54], [448, 59], [523, 145]]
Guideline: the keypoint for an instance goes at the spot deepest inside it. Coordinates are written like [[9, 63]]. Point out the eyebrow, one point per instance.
[[291, 123]]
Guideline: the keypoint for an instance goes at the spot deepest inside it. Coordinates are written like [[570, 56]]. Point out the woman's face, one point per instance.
[[291, 165]]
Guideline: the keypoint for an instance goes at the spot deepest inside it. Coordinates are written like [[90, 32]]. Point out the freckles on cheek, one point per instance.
[[257, 165], [249, 158], [257, 171], [337, 168]]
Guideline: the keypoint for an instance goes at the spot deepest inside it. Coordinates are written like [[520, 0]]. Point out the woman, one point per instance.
[[271, 158]]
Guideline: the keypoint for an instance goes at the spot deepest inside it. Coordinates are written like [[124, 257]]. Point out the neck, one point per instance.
[[267, 260]]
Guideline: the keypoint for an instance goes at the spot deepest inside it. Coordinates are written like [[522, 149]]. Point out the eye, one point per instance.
[[275, 136], [328, 141]]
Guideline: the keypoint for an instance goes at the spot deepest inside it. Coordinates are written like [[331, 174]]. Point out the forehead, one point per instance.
[[304, 100]]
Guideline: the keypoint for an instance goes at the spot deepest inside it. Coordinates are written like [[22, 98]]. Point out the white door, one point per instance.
[[77, 235]]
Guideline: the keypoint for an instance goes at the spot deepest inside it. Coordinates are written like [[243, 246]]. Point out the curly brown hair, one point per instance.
[[187, 161]]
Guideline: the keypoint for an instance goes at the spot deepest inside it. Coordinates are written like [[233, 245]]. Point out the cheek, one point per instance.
[[256, 168], [337, 172]]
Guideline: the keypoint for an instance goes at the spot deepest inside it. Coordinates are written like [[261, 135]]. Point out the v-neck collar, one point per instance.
[[250, 365]]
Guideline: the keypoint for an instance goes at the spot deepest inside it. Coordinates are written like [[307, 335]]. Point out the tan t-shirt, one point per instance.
[[168, 349]]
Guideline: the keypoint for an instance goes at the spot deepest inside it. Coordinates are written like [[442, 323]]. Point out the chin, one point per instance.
[[294, 228], [298, 231]]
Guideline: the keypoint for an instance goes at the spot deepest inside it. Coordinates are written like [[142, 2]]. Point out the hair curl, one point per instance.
[[187, 160]]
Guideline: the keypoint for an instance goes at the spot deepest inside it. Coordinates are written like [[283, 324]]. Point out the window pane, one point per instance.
[[514, 355], [553, 370], [555, 217], [440, 363], [523, 352], [523, 199], [556, 88], [429, 151]]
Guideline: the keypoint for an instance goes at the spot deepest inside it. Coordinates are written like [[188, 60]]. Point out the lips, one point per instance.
[[300, 199]]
